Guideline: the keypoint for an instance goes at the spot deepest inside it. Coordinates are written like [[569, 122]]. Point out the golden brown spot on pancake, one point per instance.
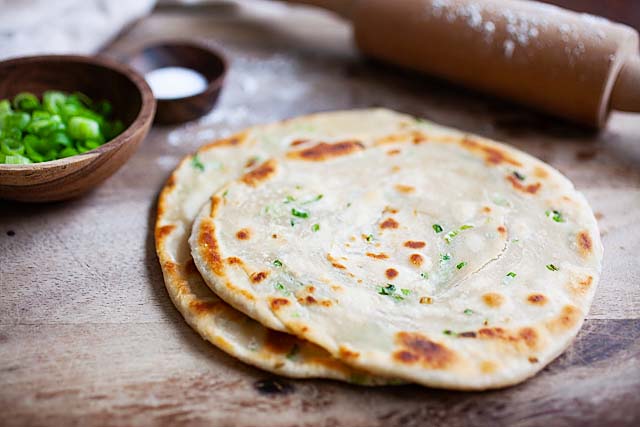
[[414, 244], [393, 138], [251, 162], [493, 299], [389, 223], [259, 276], [416, 259], [584, 243], [260, 173], [529, 336], [311, 289], [279, 342], [276, 303], [336, 288], [393, 152], [501, 229], [568, 318], [346, 353], [209, 245], [232, 260], [418, 138], [381, 255], [487, 367], [467, 334], [391, 273], [426, 300], [533, 359], [537, 299], [415, 347], [395, 169], [531, 188], [203, 307], [525, 336], [243, 234], [389, 209], [310, 300], [406, 189], [580, 287], [170, 267], [486, 209], [539, 172], [298, 142], [324, 151], [406, 356], [274, 236], [335, 263], [232, 141], [326, 303], [492, 155], [215, 203], [164, 231], [171, 182]]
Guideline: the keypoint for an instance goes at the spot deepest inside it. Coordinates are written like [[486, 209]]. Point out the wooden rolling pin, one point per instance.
[[571, 65]]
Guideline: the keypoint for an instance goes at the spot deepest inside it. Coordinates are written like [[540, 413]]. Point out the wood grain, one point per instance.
[[88, 335]]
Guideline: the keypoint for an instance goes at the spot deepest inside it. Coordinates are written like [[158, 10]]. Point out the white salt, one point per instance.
[[175, 82]]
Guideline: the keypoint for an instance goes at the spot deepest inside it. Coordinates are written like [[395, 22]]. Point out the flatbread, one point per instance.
[[191, 185], [428, 255]]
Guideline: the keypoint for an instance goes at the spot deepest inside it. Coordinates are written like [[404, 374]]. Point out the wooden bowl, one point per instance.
[[99, 78], [188, 54]]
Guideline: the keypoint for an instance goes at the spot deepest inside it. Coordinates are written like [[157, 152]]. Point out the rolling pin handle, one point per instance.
[[626, 91]]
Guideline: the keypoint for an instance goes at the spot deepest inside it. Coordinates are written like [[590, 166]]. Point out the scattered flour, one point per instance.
[[522, 28]]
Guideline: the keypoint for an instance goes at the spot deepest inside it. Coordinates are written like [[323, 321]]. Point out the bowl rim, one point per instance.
[[213, 85], [145, 114]]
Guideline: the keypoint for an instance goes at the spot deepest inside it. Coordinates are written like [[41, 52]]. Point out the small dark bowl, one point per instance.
[[99, 78], [187, 54]]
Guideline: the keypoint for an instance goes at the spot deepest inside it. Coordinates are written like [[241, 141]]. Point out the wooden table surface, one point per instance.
[[88, 335]]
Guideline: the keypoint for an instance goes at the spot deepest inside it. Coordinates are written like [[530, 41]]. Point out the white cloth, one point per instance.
[[32, 27]]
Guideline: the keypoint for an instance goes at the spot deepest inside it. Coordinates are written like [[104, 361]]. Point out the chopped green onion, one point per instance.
[[460, 265], [555, 215], [437, 228], [511, 274], [449, 332], [11, 147], [299, 213], [468, 311], [552, 267], [196, 163], [315, 199], [289, 199], [519, 175], [445, 257], [466, 227], [315, 227], [83, 128], [369, 237], [26, 101], [450, 235], [282, 288], [390, 289], [424, 275], [405, 292], [61, 126], [16, 159], [277, 263]]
